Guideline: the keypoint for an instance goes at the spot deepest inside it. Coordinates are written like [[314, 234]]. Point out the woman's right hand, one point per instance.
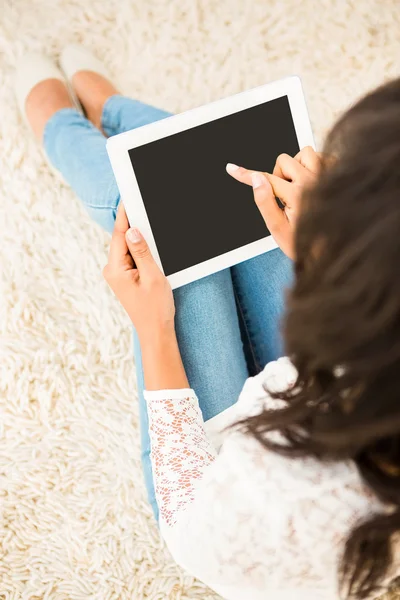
[[286, 182]]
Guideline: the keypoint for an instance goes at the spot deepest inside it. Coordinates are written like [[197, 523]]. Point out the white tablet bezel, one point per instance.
[[118, 149]]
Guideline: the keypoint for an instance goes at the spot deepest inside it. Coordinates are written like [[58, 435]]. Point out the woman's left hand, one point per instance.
[[138, 282]]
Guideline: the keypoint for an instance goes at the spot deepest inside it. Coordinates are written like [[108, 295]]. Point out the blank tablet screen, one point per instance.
[[195, 209]]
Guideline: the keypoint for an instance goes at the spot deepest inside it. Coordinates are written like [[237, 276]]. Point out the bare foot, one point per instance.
[[45, 99], [93, 90]]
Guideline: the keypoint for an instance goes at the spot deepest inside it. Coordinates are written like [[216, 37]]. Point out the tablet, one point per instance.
[[171, 175]]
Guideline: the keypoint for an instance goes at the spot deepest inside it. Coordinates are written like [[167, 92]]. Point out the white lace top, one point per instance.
[[249, 523]]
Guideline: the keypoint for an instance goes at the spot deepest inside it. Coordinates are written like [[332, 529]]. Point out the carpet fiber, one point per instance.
[[74, 522]]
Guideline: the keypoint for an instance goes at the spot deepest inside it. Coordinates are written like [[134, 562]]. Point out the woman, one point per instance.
[[303, 498]]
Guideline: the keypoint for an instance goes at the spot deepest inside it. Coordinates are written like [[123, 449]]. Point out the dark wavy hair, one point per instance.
[[342, 327]]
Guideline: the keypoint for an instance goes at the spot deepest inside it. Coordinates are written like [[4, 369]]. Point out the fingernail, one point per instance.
[[257, 179], [134, 235], [231, 168]]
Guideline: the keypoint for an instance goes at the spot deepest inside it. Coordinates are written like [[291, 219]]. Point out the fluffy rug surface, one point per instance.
[[74, 521]]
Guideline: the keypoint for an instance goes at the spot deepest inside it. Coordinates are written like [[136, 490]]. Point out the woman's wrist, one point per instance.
[[157, 337], [161, 359]]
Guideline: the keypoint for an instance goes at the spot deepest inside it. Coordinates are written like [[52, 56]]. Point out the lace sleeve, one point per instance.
[[180, 449]]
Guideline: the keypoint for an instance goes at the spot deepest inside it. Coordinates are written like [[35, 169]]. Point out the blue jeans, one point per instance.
[[228, 323]]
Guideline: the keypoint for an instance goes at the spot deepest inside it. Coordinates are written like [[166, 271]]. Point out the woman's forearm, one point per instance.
[[162, 362]]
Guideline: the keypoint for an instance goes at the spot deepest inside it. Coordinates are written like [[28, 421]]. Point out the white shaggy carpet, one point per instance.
[[74, 522]]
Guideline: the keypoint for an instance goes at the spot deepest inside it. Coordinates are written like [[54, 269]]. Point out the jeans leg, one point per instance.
[[78, 150], [260, 285], [209, 337], [122, 114]]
